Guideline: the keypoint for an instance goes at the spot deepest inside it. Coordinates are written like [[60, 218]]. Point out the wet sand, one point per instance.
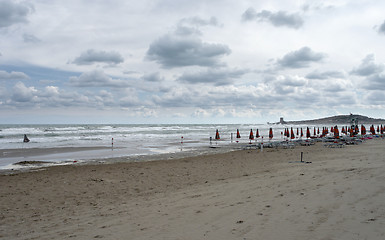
[[10, 153], [236, 195]]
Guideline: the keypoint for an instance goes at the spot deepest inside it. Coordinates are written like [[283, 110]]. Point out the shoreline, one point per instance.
[[242, 194]]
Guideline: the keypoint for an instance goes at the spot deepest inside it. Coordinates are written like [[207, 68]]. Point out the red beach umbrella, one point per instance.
[[297, 131], [217, 135], [372, 130], [292, 134], [270, 133], [251, 136], [301, 132], [336, 133], [257, 134], [307, 132], [238, 135], [314, 132]]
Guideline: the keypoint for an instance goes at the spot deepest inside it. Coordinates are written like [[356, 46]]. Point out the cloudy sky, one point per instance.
[[182, 61]]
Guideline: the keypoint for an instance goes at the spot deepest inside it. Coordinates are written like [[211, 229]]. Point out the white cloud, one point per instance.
[[21, 93], [12, 75]]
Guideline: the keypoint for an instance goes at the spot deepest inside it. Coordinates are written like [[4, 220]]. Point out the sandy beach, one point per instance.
[[237, 195]]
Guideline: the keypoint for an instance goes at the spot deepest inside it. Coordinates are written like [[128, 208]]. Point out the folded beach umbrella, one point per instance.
[[292, 134], [297, 131], [336, 132], [251, 136], [238, 135], [372, 131], [314, 132], [307, 132], [363, 131], [301, 132], [270, 133], [217, 135], [257, 134]]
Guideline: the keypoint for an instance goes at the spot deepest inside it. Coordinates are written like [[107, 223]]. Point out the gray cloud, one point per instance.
[[209, 97], [13, 13], [13, 75], [97, 78], [278, 19], [92, 56], [153, 77], [190, 26], [29, 38], [197, 21], [375, 82], [300, 58], [215, 76], [381, 29], [375, 97], [368, 67], [130, 100], [325, 75], [178, 51], [316, 6]]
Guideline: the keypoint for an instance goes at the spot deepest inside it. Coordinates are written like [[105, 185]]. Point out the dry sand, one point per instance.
[[237, 195]]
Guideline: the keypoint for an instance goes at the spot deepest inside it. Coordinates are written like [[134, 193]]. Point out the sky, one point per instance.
[[182, 61]]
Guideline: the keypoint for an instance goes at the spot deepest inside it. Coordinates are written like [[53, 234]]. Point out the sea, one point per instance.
[[133, 142]]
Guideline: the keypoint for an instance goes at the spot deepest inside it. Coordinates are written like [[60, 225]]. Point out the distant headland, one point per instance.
[[339, 119]]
